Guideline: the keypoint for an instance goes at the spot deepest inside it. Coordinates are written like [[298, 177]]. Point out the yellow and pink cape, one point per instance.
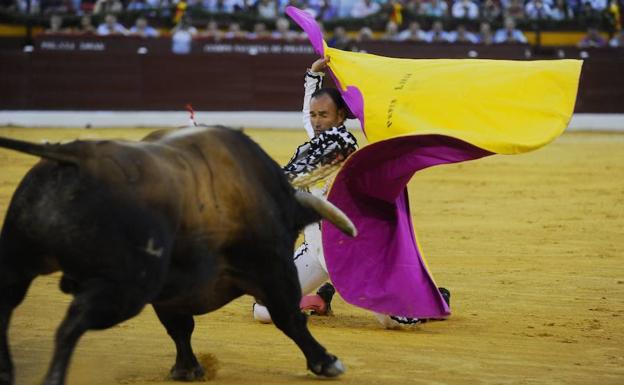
[[416, 114]]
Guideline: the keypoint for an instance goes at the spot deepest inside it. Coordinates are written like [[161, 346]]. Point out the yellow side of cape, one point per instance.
[[503, 106]]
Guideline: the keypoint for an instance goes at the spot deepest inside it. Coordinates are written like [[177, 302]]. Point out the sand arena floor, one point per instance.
[[531, 246]]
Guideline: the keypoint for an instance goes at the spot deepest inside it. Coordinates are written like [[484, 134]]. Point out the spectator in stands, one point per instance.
[[598, 5], [267, 9], [107, 7], [593, 39], [282, 30], [282, 4], [462, 35], [436, 8], [223, 6], [343, 7], [415, 7], [465, 9], [364, 8], [54, 6], [437, 33], [340, 39], [35, 6], [413, 33], [561, 11], [327, 10], [56, 25], [509, 34], [182, 36], [234, 32], [166, 8], [537, 10], [142, 29], [490, 11], [86, 26], [392, 31], [515, 10], [158, 4], [589, 16], [485, 34], [575, 6], [259, 32], [110, 26], [613, 14], [137, 5], [310, 7], [364, 34], [618, 40], [212, 31]]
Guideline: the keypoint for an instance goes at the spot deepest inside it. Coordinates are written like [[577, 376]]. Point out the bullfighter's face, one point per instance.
[[324, 114]]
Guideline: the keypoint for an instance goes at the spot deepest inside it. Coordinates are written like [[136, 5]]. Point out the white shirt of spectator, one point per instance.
[[364, 8], [104, 30], [503, 36], [465, 9], [435, 8], [471, 37], [444, 36], [137, 6], [182, 39], [409, 34], [617, 40], [534, 10], [35, 6], [228, 5], [598, 5], [147, 32], [267, 9]]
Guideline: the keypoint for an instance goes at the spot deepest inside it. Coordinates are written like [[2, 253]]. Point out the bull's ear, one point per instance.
[[304, 181]]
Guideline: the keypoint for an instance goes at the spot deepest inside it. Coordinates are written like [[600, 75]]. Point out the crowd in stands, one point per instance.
[[470, 21], [325, 10]]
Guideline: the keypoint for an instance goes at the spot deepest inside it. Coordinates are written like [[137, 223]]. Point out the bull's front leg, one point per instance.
[[180, 328], [282, 297]]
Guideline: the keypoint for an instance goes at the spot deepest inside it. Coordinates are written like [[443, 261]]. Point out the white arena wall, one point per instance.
[[245, 119]]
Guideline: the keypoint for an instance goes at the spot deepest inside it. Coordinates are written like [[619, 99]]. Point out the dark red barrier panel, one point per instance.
[[117, 73]]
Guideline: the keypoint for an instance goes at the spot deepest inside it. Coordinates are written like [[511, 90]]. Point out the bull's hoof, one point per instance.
[[185, 374], [331, 368]]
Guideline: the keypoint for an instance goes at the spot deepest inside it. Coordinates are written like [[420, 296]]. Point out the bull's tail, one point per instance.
[[58, 152], [327, 211]]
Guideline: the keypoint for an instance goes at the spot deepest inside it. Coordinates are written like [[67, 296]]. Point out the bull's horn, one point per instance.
[[327, 211]]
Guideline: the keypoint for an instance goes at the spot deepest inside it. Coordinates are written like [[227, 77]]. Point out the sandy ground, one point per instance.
[[531, 246]]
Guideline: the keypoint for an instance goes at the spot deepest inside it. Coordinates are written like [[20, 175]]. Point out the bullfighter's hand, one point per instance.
[[320, 64]]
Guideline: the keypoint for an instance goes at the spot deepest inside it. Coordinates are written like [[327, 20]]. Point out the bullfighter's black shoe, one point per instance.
[[446, 294], [326, 292]]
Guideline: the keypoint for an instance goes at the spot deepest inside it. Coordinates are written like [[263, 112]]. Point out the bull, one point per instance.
[[185, 220]]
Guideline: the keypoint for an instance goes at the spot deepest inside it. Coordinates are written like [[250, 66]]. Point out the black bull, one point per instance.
[[186, 220]]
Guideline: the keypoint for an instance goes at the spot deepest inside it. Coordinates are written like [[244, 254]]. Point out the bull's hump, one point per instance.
[[187, 133]]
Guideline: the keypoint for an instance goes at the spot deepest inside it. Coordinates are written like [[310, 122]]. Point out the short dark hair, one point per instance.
[[335, 96]]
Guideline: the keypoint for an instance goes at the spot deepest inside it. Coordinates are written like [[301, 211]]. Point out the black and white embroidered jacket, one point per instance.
[[330, 147]]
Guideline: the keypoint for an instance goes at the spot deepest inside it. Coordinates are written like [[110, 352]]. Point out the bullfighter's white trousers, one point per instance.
[[310, 264], [312, 272]]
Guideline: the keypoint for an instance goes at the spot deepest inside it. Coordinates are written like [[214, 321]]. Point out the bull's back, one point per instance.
[[239, 188]]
